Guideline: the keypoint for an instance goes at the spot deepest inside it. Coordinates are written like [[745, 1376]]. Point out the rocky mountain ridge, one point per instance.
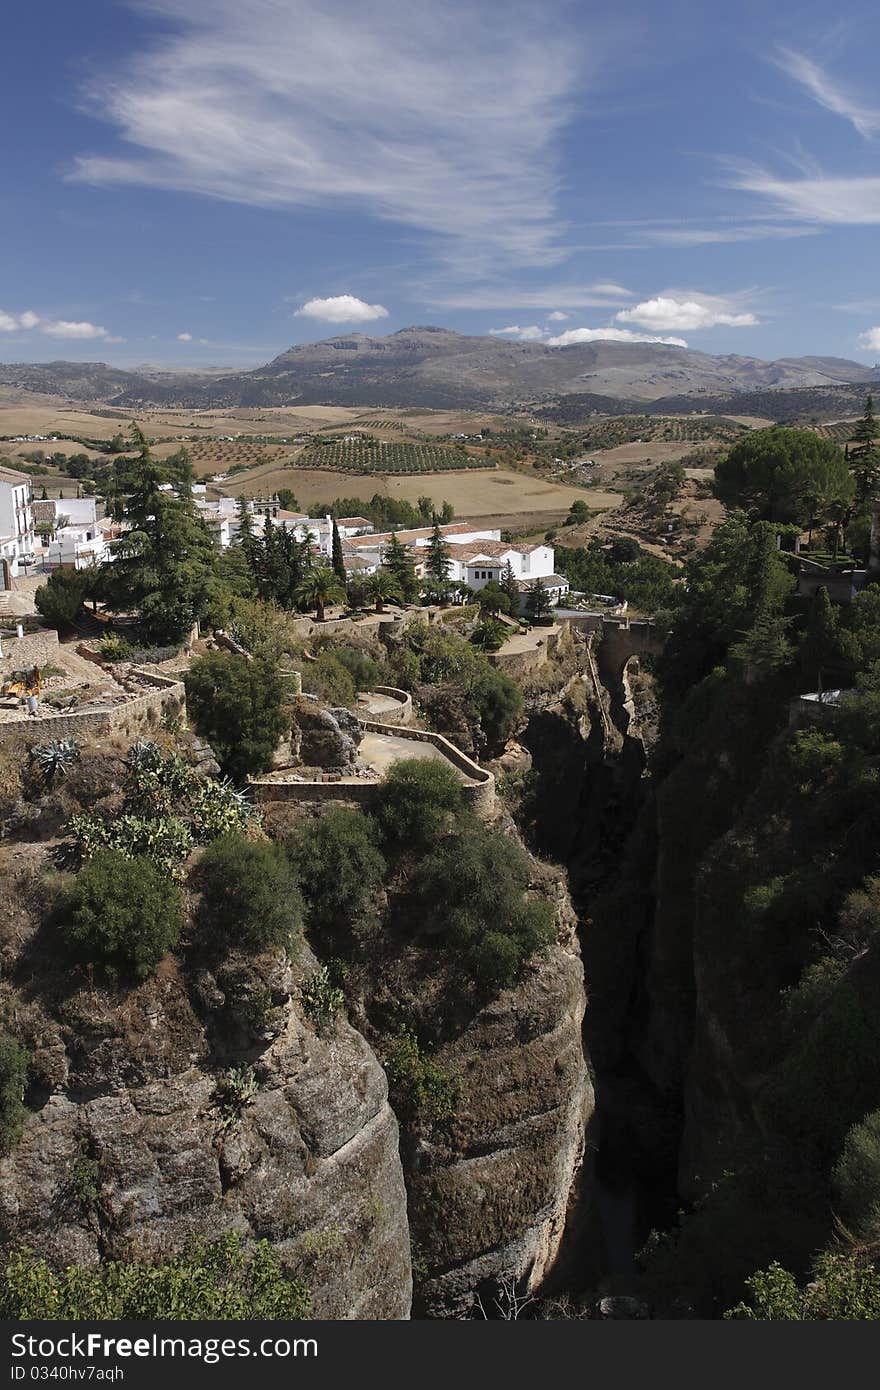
[[433, 367]]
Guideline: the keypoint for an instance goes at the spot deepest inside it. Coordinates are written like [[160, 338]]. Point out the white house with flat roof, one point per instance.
[[16, 518]]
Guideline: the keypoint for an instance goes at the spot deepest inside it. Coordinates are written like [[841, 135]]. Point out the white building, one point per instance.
[[16, 519]]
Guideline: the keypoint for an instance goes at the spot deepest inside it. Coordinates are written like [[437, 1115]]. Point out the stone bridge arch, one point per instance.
[[623, 638]]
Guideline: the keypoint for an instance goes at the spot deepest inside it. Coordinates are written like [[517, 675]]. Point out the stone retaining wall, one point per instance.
[[137, 715], [405, 714], [479, 792], [34, 649], [481, 795]]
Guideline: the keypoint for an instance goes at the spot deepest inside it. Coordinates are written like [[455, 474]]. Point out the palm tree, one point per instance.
[[319, 587], [383, 587]]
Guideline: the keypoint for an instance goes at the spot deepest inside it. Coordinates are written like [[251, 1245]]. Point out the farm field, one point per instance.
[[377, 456], [482, 493]]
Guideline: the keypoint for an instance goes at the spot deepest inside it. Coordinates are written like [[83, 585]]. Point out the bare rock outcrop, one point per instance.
[[491, 1205], [171, 1110]]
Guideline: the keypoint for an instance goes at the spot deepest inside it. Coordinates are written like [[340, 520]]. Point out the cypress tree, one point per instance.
[[337, 557]]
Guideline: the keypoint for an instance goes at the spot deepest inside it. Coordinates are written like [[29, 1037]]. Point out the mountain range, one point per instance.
[[430, 367]]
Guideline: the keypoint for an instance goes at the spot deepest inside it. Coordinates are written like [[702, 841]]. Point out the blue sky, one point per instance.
[[204, 182]]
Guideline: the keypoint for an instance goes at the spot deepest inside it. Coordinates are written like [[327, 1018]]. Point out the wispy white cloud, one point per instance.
[[829, 93], [832, 200], [184, 337], [533, 333], [442, 117], [610, 335], [600, 295], [341, 308], [870, 339], [557, 316], [719, 236], [692, 312]]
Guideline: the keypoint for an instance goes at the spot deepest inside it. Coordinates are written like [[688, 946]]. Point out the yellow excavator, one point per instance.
[[22, 683]]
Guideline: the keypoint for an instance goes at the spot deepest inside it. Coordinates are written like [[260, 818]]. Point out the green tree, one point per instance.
[[338, 560], [510, 587], [867, 429], [416, 804], [216, 1280], [250, 893], [492, 599], [438, 559], [470, 892], [856, 1179], [841, 1287], [339, 866], [122, 914], [245, 519], [383, 588], [286, 499], [398, 562], [773, 472], [169, 577], [318, 587], [61, 598], [821, 643], [239, 706], [538, 604]]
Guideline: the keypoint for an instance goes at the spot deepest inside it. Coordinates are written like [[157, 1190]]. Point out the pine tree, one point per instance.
[[398, 563], [867, 429], [508, 583], [820, 646], [337, 556], [245, 520], [438, 561], [45, 495], [538, 602]]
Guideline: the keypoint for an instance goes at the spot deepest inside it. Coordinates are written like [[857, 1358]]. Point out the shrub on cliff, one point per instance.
[[339, 867], [13, 1079], [122, 914], [841, 1287], [239, 707], [216, 1280], [416, 804], [856, 1178], [470, 893], [251, 893]]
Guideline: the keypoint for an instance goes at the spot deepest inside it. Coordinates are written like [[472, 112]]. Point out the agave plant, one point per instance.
[[220, 808], [55, 759]]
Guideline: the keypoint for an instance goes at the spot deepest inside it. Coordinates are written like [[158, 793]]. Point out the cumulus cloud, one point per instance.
[[870, 339], [184, 337], [557, 316], [11, 323], [67, 328], [703, 312], [610, 335], [341, 308], [396, 110], [531, 334]]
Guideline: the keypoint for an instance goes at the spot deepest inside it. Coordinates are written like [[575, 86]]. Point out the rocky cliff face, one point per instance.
[[142, 1133], [489, 1201]]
